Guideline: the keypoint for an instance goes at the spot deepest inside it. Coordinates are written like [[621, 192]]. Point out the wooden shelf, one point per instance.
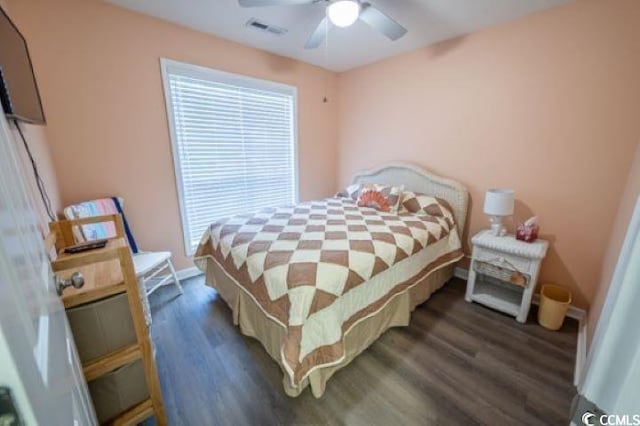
[[102, 275], [135, 414], [503, 297], [107, 272], [71, 260], [111, 361]]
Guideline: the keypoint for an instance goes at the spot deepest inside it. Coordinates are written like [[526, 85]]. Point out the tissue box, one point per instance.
[[527, 233]]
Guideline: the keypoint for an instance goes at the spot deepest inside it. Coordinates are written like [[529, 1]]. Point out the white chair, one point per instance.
[[148, 264]]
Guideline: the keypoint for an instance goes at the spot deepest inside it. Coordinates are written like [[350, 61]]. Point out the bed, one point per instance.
[[318, 282]]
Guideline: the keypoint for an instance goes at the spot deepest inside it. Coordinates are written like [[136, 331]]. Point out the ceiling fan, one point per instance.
[[341, 13]]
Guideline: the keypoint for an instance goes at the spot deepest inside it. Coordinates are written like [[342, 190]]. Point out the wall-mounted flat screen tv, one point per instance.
[[18, 89]]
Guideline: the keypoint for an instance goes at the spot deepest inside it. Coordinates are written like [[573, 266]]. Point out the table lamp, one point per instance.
[[498, 203]]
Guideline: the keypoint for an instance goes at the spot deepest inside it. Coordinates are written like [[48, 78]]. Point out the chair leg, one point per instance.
[[144, 296], [176, 282]]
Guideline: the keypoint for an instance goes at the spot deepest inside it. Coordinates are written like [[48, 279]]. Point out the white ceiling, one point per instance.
[[428, 22]]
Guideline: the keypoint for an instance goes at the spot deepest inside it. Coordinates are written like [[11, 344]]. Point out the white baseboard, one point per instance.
[[182, 274], [581, 350], [574, 312], [187, 273], [461, 273]]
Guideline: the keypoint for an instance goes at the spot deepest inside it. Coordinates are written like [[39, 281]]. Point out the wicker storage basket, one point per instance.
[[501, 273]]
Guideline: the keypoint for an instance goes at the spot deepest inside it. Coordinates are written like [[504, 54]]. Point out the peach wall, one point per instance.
[[40, 149], [627, 204], [547, 105], [99, 74]]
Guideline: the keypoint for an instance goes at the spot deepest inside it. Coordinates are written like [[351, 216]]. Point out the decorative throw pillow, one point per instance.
[[385, 198], [351, 191], [415, 202]]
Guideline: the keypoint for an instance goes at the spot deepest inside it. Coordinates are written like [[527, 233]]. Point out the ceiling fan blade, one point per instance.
[[381, 22], [318, 35], [261, 3]]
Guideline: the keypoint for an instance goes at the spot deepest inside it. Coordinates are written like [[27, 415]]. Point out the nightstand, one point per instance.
[[504, 272]]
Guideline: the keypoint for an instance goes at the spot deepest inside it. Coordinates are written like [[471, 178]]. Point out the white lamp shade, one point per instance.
[[499, 202], [343, 13]]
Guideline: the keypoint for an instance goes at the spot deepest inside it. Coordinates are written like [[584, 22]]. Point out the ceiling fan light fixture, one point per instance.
[[343, 13]]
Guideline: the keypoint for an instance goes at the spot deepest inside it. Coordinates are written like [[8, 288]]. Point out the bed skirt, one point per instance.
[[254, 323]]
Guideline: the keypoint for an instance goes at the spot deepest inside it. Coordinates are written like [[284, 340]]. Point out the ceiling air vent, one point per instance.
[[261, 26]]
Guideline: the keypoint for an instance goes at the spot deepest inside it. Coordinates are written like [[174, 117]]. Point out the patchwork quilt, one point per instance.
[[317, 268]]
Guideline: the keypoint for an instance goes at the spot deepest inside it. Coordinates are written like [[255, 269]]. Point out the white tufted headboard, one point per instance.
[[417, 179]]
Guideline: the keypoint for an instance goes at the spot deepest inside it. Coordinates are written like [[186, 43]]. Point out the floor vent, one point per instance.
[[261, 26]]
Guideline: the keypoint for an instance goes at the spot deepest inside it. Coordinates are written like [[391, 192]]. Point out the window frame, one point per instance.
[[168, 66]]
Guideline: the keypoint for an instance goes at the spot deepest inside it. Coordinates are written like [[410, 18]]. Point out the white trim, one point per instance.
[[461, 273], [581, 350], [174, 152], [574, 312], [227, 77], [166, 65], [182, 274], [613, 341], [186, 273]]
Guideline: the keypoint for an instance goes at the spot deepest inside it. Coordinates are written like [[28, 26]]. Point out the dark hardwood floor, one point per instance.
[[457, 363]]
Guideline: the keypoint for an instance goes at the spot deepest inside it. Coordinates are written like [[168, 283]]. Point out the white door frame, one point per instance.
[[612, 369], [38, 360]]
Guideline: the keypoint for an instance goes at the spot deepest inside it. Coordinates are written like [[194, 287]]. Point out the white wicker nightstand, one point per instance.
[[499, 257]]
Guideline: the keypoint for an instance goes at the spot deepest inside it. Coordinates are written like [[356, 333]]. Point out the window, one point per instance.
[[234, 144]]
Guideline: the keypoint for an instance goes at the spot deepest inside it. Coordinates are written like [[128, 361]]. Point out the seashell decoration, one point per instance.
[[375, 199]]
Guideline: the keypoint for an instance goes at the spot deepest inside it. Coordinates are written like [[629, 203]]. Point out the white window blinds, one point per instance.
[[233, 142]]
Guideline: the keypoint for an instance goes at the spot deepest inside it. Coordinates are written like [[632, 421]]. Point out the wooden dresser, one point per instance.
[[108, 322]]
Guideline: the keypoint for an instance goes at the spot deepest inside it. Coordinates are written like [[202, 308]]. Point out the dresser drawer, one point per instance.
[[503, 260]]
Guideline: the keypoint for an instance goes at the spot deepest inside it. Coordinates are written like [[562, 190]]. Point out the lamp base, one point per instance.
[[497, 229]]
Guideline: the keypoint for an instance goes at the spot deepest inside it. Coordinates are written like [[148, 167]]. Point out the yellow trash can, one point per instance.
[[554, 302]]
